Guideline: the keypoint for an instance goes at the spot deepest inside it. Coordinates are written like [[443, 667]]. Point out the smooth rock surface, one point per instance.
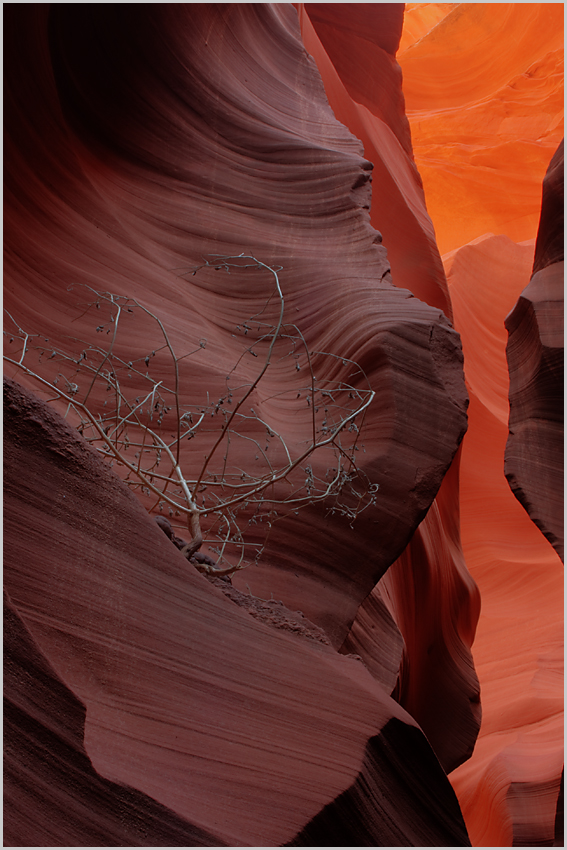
[[437, 682], [533, 462], [484, 94], [398, 209], [550, 242], [139, 140], [146, 185], [243, 731], [53, 796], [484, 97], [436, 604], [508, 790]]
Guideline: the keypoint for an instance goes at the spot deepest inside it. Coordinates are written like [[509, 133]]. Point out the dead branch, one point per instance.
[[135, 430]]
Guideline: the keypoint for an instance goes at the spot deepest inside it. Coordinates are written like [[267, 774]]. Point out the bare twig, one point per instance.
[[135, 430]]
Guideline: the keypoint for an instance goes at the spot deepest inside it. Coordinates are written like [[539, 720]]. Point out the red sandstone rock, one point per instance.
[[436, 604], [116, 178], [147, 186], [248, 735], [53, 797], [508, 790], [534, 451], [140, 139], [398, 206], [376, 638], [437, 682]]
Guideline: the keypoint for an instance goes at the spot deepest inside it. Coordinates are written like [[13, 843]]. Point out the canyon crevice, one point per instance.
[[386, 676]]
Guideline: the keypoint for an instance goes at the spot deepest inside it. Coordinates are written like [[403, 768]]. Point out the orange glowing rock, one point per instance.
[[141, 138], [437, 684], [508, 790], [484, 97], [419, 19]]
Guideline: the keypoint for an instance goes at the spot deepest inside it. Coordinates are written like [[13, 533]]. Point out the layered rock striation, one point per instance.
[[134, 685], [187, 147], [534, 451], [484, 94], [428, 590], [53, 795], [141, 140], [375, 115], [324, 695]]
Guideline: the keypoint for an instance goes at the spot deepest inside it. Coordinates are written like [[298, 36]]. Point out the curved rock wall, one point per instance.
[[211, 134], [223, 729], [53, 796], [534, 451], [398, 208], [518, 646], [429, 590], [141, 139], [484, 92]]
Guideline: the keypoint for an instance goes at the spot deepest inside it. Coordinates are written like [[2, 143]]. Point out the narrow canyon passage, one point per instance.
[[484, 98], [360, 185], [483, 90]]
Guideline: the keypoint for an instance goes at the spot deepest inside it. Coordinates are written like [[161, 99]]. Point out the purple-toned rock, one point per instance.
[[126, 667], [534, 451]]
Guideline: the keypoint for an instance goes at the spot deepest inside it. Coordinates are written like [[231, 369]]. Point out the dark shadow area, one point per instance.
[[53, 797], [401, 798]]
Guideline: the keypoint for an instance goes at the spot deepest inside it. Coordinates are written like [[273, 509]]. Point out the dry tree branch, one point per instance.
[[134, 430]]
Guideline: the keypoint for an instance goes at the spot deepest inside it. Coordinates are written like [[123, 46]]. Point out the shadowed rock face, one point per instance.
[[550, 240], [229, 731], [436, 604], [363, 817], [67, 803], [534, 451], [209, 132], [428, 590], [141, 139]]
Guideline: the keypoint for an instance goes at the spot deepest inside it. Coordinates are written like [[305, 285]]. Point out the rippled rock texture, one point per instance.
[[134, 684], [534, 452], [428, 590], [263, 167], [324, 696], [141, 139], [484, 93], [486, 115]]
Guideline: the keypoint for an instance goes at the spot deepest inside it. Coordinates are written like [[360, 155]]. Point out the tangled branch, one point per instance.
[[245, 470]]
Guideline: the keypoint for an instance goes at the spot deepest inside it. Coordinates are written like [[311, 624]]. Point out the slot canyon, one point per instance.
[[321, 246]]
